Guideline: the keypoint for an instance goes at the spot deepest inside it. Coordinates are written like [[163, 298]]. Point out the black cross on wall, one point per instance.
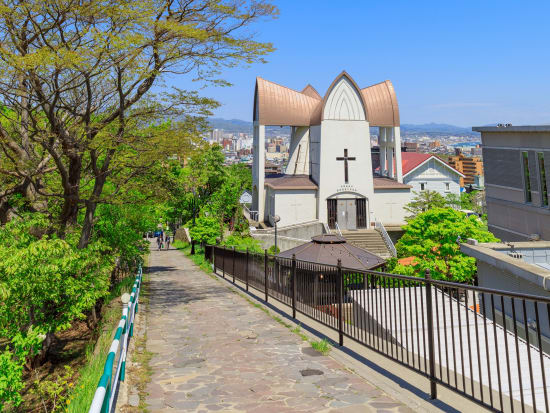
[[345, 158]]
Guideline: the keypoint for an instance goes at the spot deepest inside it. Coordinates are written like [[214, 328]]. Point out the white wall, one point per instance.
[[434, 176], [336, 136], [389, 205], [298, 162], [293, 206]]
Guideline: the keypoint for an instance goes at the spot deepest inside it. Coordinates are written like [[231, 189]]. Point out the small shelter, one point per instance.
[[329, 248]]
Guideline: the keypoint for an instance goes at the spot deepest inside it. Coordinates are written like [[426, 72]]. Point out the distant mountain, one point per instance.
[[441, 128], [243, 126]]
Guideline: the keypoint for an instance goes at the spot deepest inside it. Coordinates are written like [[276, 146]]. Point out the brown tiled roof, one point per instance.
[[328, 249], [388, 183], [281, 181]]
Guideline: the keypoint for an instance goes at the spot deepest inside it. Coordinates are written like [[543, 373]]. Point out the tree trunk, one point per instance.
[[71, 190], [91, 206]]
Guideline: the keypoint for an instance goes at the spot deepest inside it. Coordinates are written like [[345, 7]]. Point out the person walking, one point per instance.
[[168, 242], [158, 242]]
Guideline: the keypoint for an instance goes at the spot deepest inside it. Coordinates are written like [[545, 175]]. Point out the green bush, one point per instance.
[[46, 283], [242, 243], [206, 230], [273, 250]]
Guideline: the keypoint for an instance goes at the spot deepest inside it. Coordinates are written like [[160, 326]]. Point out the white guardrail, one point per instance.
[[106, 394]]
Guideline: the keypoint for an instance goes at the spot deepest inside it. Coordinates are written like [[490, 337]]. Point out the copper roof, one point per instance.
[[281, 181], [381, 104], [278, 105], [388, 183], [328, 249]]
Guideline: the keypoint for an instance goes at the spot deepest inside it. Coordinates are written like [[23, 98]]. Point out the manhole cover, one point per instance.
[[311, 372]]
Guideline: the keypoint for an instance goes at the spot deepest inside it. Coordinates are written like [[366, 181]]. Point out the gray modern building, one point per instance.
[[516, 160]]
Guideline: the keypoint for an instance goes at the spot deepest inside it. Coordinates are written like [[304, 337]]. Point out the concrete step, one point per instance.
[[368, 239]]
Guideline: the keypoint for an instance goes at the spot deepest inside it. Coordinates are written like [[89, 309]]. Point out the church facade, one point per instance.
[[329, 177]]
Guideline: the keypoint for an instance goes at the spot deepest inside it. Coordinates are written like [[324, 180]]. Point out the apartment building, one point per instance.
[[469, 166], [516, 163]]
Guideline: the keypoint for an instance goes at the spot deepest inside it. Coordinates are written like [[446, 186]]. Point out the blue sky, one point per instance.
[[459, 62]]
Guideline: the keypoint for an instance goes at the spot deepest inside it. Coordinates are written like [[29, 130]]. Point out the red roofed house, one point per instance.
[[425, 172]]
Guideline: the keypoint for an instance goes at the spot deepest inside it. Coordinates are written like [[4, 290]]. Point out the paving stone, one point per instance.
[[213, 351]]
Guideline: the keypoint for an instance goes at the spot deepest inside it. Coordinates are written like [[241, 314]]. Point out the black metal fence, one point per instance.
[[489, 345]]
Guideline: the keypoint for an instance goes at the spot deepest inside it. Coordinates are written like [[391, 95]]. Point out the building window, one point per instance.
[[422, 186], [542, 178], [447, 186], [526, 177]]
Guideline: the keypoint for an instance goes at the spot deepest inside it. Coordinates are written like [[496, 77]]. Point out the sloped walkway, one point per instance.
[[214, 351]]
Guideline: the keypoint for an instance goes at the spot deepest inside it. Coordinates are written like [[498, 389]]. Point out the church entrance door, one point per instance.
[[347, 214]]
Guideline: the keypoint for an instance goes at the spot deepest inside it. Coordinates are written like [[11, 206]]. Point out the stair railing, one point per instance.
[[338, 228], [389, 243]]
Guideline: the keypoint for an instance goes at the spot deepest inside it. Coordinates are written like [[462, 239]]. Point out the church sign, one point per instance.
[[347, 188]]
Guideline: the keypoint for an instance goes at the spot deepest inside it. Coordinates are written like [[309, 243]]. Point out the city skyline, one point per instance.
[[449, 63]]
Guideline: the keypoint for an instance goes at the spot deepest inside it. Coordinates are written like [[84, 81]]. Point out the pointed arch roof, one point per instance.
[[381, 103], [275, 104], [311, 92], [354, 85]]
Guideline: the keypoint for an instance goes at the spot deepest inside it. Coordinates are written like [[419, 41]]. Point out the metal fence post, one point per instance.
[[340, 281], [214, 259], [265, 274], [431, 349], [233, 264], [223, 262], [294, 286], [246, 274]]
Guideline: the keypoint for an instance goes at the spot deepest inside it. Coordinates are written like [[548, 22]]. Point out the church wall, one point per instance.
[[389, 205], [294, 206], [298, 163], [315, 152], [337, 136], [434, 176]]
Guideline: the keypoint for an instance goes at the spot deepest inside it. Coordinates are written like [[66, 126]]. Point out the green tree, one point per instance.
[[433, 237], [424, 201], [85, 98], [206, 230]]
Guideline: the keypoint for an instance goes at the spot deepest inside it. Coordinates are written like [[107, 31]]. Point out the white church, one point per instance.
[[329, 177]]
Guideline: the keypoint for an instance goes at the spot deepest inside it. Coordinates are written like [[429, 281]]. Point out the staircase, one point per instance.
[[368, 239]]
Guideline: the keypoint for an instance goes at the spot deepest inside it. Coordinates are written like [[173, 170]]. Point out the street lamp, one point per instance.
[[276, 218]]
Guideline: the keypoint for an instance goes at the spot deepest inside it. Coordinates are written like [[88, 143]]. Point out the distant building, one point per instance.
[[411, 146], [469, 166], [434, 144], [425, 172], [517, 164], [246, 198]]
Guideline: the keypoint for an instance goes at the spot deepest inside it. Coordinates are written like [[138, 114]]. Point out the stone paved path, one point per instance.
[[214, 351]]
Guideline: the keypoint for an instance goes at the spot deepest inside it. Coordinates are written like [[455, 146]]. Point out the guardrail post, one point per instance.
[[246, 274], [233, 264], [340, 281], [431, 350], [265, 274], [223, 262], [294, 285]]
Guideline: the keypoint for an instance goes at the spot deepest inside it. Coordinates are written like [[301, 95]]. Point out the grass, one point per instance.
[[96, 353], [322, 346]]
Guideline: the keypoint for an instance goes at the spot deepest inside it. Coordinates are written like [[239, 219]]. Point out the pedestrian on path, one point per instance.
[[168, 242]]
